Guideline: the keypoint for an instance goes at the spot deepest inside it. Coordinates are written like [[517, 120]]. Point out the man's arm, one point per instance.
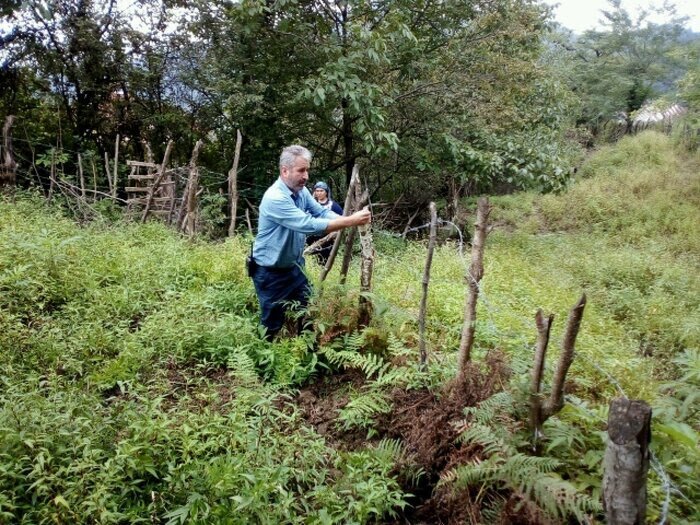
[[356, 219]]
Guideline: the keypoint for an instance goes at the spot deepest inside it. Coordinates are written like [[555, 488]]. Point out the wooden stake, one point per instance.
[[233, 184], [116, 166], [346, 211], [426, 281], [247, 219], [626, 462], [52, 174], [556, 399], [367, 260], [476, 272], [347, 253], [190, 225], [156, 183], [82, 177], [94, 178], [109, 176], [544, 325]]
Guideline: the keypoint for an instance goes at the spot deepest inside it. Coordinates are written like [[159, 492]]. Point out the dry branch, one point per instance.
[[476, 272], [426, 282], [314, 247]]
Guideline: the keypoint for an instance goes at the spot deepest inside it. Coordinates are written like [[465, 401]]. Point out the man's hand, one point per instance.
[[364, 216]]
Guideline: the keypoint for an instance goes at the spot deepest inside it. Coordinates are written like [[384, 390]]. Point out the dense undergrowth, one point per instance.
[[136, 388]]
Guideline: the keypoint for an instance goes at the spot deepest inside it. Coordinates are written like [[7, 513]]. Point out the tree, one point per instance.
[[629, 62]]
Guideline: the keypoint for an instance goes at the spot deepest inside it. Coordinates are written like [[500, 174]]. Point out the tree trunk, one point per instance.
[[426, 281], [8, 166], [626, 462], [476, 272]]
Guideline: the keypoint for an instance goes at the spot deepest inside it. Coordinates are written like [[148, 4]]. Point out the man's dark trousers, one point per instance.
[[275, 288]]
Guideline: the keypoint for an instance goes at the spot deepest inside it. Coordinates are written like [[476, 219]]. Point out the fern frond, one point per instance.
[[488, 409], [396, 347], [242, 365], [354, 341], [360, 410]]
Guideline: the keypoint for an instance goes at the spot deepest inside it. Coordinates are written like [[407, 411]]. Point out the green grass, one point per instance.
[[135, 386]]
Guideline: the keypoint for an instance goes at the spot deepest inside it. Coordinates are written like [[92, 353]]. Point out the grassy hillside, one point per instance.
[[136, 388]]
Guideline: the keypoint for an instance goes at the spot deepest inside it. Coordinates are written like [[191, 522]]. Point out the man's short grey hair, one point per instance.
[[291, 153]]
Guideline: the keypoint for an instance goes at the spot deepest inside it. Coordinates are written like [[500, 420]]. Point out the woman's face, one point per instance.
[[320, 195]]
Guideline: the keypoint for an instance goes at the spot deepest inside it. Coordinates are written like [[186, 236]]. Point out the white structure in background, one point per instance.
[[653, 114]]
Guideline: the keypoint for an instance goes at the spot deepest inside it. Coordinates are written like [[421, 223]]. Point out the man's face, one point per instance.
[[320, 195], [296, 176]]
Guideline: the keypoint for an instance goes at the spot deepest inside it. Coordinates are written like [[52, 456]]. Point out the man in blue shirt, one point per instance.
[[288, 213]]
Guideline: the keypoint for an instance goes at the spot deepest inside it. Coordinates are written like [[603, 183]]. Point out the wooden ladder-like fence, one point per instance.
[[141, 182]]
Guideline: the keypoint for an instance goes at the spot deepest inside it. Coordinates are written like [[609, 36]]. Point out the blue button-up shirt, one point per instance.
[[284, 222]]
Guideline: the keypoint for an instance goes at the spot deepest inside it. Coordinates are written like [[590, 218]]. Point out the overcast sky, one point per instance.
[[579, 15]]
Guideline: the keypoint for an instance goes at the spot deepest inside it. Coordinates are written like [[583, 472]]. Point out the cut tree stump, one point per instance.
[[626, 462]]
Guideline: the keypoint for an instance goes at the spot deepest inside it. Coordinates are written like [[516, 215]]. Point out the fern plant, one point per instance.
[[501, 466]]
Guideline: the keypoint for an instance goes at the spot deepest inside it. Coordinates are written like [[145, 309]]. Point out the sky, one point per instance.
[[579, 15]]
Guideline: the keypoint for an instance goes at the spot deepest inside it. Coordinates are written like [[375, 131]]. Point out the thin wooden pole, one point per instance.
[[82, 177], [346, 211], [116, 166], [108, 174], [367, 255], [544, 325], [52, 174], [193, 183], [233, 184], [476, 272], [426, 281], [94, 178], [556, 399], [247, 219]]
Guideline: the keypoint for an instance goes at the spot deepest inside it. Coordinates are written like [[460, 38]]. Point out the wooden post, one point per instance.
[[247, 220], [346, 211], [367, 260], [544, 325], [8, 166], [190, 225], [107, 173], [82, 177], [94, 178], [116, 166], [52, 174], [476, 272], [233, 184], [426, 282], [556, 398], [156, 183], [626, 462]]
